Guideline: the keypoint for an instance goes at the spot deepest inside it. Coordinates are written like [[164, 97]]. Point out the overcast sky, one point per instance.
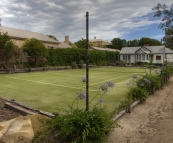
[[126, 19]]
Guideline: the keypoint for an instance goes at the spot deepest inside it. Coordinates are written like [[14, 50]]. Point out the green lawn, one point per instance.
[[52, 90]]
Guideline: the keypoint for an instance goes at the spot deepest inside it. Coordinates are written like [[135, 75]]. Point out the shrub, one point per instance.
[[73, 65], [81, 64], [80, 126], [137, 94], [122, 63], [64, 57]]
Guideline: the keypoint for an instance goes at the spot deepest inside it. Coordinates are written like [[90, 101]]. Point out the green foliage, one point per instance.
[[149, 82], [73, 65], [64, 57], [80, 126], [120, 63], [35, 49], [82, 44], [168, 38], [137, 94], [123, 104], [151, 61], [149, 41], [166, 14], [140, 63], [81, 64], [6, 47], [53, 37], [118, 43]]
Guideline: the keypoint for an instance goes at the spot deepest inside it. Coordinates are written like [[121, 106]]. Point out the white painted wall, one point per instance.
[[169, 58]]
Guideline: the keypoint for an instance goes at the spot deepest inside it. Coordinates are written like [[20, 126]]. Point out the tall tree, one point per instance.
[[166, 14], [6, 48], [118, 43], [149, 41], [35, 49]]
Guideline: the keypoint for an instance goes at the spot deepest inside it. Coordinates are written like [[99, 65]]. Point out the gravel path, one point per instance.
[[149, 122]]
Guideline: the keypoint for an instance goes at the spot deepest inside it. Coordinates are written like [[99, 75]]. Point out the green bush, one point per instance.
[[137, 94], [64, 57], [73, 65], [81, 64], [146, 82], [80, 126]]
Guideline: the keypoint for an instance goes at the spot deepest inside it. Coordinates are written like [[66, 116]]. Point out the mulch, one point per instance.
[[7, 114]]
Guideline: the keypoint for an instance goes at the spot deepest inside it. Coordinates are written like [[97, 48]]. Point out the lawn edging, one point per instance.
[[120, 114]]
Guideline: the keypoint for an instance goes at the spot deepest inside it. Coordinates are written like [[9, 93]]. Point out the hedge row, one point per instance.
[[64, 57]]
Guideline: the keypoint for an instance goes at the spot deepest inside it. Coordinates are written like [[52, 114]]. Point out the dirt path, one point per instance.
[[149, 122]]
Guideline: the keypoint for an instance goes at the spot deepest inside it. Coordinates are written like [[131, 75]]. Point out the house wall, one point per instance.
[[157, 61], [20, 43], [169, 58]]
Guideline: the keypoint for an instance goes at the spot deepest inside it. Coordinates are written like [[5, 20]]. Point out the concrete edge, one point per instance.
[[24, 110], [116, 117]]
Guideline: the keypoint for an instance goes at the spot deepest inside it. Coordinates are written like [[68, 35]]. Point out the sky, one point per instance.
[[108, 19]]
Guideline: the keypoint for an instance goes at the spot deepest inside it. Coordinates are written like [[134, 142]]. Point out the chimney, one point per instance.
[[94, 37], [66, 39]]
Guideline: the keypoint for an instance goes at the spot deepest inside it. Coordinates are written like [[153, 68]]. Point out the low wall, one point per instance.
[[24, 70]]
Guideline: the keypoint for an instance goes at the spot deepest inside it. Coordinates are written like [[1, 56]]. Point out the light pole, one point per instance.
[[87, 62]]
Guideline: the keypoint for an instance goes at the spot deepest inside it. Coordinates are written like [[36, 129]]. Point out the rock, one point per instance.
[[18, 130]]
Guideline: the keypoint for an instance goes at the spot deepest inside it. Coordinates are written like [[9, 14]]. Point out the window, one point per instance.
[[124, 57], [143, 56], [148, 57], [139, 56], [129, 57], [158, 57]]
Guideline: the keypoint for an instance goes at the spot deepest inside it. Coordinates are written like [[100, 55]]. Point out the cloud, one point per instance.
[[107, 18], [160, 36]]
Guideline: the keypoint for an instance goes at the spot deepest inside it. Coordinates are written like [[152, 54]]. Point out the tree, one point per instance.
[[168, 38], [166, 14], [82, 43], [118, 43], [149, 41], [133, 43], [35, 49], [53, 37], [6, 48]]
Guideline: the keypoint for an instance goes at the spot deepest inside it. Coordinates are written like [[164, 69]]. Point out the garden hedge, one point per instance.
[[64, 57]]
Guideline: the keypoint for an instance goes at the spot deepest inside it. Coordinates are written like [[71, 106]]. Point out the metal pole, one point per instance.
[[163, 56], [87, 62]]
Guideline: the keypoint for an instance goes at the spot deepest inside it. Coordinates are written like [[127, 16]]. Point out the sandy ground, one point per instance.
[[149, 122]]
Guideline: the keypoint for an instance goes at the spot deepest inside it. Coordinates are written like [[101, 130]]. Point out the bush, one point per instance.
[[81, 64], [137, 94], [80, 126], [64, 57], [73, 65]]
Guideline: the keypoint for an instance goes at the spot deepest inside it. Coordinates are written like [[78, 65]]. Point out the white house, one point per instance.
[[145, 54]]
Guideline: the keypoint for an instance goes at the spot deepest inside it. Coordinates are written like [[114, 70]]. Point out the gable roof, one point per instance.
[[24, 34], [64, 45], [105, 49], [152, 49], [98, 40]]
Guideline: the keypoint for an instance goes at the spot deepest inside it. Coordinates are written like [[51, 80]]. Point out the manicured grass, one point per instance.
[[52, 90]]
